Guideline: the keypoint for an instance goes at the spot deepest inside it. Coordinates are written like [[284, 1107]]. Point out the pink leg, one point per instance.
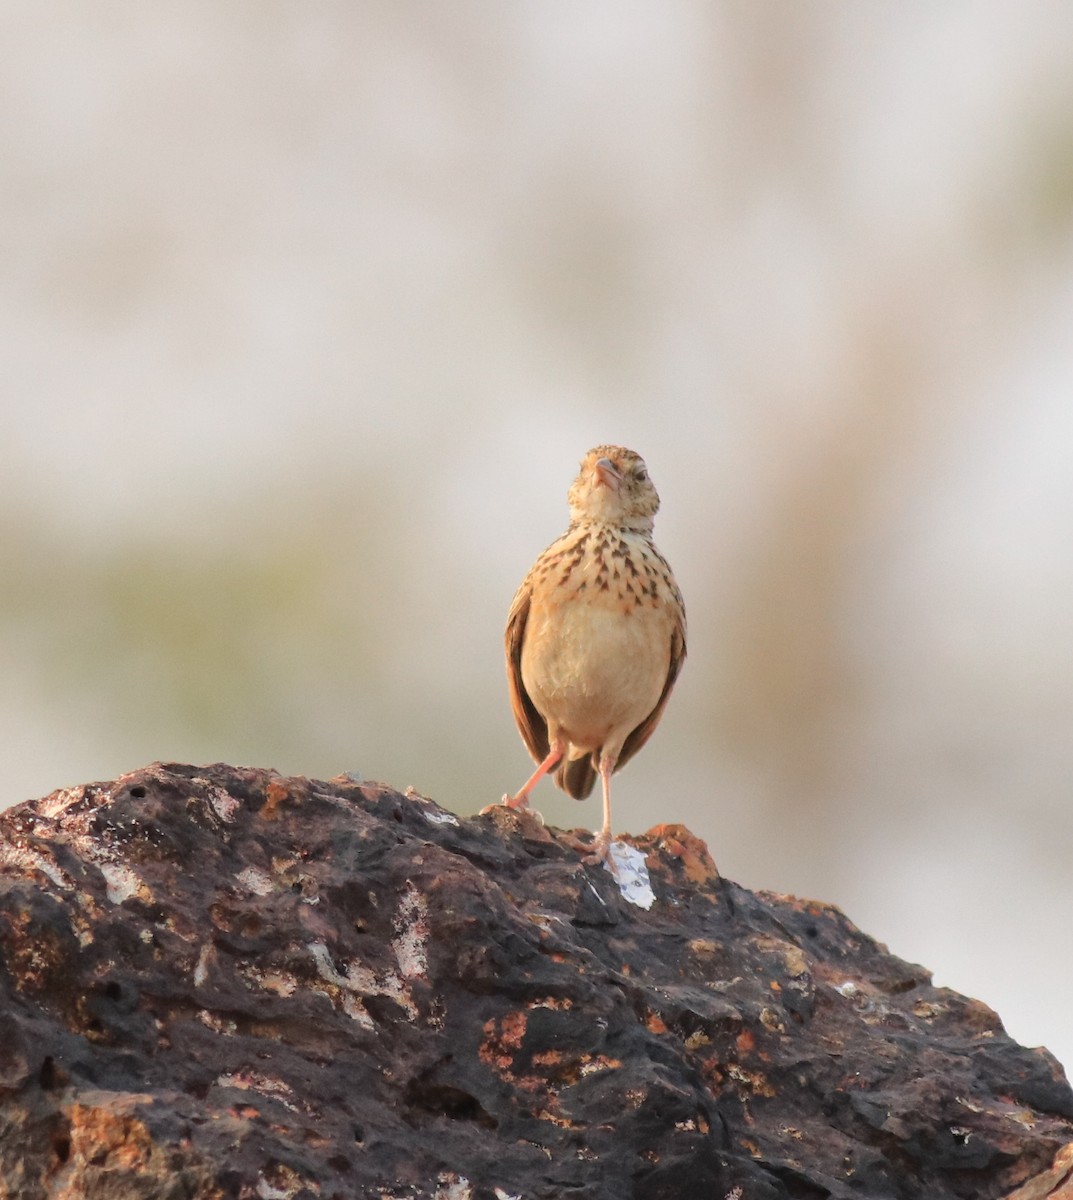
[[521, 798], [602, 843]]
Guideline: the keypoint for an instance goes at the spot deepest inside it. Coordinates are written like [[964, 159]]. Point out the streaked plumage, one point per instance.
[[596, 634]]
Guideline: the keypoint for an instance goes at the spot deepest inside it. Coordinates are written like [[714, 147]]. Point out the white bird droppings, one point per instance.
[[253, 879], [453, 1187], [439, 816], [631, 874], [120, 882], [201, 971], [411, 926]]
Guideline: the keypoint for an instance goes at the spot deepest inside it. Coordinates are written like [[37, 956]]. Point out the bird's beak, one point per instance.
[[607, 474]]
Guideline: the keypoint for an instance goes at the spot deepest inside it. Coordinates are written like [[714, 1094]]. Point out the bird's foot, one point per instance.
[[521, 800], [601, 851]]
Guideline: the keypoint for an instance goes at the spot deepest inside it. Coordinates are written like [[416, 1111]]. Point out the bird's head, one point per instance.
[[613, 488]]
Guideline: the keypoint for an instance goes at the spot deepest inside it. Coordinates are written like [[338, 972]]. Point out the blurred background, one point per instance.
[[309, 312]]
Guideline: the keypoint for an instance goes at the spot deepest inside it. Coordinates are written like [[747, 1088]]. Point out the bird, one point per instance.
[[595, 637]]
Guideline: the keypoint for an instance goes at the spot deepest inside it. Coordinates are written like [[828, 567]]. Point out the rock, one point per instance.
[[220, 982]]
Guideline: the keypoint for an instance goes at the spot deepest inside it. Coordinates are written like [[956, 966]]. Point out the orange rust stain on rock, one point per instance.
[[548, 1058], [276, 794], [654, 1023], [534, 1084], [555, 1119], [107, 1136], [513, 1028], [751, 1081], [714, 1073], [677, 840], [502, 1039]]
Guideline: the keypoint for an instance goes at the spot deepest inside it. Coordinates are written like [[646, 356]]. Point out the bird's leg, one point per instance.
[[601, 845], [520, 799]]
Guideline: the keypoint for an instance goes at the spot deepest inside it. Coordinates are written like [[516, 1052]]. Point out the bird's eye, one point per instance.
[[640, 474]]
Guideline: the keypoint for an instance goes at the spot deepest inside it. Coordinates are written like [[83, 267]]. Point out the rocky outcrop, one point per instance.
[[218, 982]]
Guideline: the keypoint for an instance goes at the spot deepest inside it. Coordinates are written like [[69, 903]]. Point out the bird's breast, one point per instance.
[[598, 638]]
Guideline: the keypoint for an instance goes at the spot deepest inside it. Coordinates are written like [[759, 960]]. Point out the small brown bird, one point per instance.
[[596, 635]]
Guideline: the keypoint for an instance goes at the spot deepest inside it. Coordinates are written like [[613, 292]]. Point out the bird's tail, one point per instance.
[[576, 776]]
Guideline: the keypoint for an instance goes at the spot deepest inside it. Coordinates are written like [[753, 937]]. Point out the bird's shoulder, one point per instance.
[[565, 553]]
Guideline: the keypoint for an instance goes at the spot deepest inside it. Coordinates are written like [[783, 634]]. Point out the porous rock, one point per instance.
[[219, 982]]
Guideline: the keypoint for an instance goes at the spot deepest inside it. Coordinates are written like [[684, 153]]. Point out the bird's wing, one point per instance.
[[643, 732], [530, 723]]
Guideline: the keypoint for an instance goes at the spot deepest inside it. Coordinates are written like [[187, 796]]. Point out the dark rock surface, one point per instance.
[[220, 982]]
